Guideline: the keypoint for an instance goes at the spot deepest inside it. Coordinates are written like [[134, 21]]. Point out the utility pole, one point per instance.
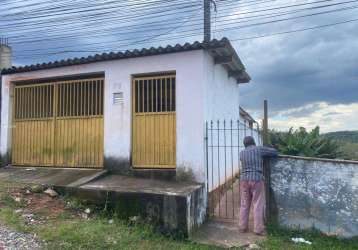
[[267, 167], [207, 20]]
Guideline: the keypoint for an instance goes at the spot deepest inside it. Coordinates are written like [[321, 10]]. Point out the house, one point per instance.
[[251, 125], [247, 118], [141, 111]]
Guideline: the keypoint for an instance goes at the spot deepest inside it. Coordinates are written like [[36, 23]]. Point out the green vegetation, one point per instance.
[[344, 136], [302, 143], [348, 143], [64, 228], [349, 150], [281, 239], [340, 144]]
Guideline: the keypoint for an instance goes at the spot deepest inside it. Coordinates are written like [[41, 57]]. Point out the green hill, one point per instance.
[[344, 136], [348, 141]]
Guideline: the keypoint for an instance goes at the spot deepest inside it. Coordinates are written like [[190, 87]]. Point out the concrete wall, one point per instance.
[[317, 193], [117, 118], [179, 212]]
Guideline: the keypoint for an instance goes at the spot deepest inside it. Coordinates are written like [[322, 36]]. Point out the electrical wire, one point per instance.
[[224, 28], [67, 21]]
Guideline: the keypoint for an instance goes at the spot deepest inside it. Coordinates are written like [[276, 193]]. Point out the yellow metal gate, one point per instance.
[[154, 122], [59, 124]]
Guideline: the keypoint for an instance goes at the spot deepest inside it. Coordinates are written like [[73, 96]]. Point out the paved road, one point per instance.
[[9, 240]]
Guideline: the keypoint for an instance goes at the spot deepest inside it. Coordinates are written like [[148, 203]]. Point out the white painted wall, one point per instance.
[[221, 103], [189, 67], [221, 92]]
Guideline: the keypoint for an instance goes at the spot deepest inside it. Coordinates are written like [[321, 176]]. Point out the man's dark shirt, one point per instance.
[[252, 162]]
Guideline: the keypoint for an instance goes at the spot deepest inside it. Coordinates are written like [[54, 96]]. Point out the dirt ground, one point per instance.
[[35, 206]]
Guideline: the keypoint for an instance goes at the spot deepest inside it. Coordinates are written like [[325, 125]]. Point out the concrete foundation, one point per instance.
[[175, 207]]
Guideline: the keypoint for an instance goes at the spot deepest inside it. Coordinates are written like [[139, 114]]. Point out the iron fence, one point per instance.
[[224, 141]]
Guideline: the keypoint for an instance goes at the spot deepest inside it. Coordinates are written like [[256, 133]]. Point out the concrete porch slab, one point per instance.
[[176, 207], [126, 184], [51, 176], [224, 234]]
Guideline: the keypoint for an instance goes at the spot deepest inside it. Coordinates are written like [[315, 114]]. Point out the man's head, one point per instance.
[[249, 141]]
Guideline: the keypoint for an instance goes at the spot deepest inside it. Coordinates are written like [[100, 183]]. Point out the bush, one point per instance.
[[299, 142]]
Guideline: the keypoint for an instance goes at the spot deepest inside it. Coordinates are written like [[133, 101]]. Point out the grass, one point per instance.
[[97, 233], [67, 230], [281, 239], [101, 231]]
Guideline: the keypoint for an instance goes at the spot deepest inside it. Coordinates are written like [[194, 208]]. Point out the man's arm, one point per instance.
[[268, 151]]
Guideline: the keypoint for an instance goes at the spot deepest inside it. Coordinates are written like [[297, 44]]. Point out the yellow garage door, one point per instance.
[[59, 124], [154, 122]]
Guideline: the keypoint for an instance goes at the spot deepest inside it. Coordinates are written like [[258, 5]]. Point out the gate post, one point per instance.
[[267, 170]]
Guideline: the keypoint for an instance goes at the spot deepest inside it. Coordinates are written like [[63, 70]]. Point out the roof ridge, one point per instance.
[[214, 43]]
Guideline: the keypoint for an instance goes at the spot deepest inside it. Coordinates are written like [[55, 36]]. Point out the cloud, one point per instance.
[[296, 72], [301, 68], [330, 117]]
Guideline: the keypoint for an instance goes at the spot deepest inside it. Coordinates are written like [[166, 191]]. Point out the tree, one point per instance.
[[302, 143]]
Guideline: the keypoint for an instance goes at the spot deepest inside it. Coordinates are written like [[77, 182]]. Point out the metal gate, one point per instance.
[[154, 122], [58, 124], [224, 141]]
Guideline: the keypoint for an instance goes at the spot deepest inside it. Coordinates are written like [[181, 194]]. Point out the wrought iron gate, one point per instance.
[[58, 124], [223, 145]]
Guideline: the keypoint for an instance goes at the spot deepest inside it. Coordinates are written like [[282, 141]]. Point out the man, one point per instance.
[[252, 187]]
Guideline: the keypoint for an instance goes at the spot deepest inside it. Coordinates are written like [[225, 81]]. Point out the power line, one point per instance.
[[33, 29], [141, 32], [225, 27], [222, 23], [126, 18], [74, 18], [253, 37], [98, 10], [87, 7], [295, 31], [84, 30]]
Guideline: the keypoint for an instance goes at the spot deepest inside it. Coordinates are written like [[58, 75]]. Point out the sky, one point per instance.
[[310, 78]]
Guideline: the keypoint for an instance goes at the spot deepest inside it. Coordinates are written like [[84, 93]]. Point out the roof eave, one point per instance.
[[229, 59]]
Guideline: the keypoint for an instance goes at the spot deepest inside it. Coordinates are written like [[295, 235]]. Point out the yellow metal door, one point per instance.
[[59, 124], [154, 122], [33, 130]]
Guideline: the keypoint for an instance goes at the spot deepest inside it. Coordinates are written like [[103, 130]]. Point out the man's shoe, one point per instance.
[[260, 233], [243, 231]]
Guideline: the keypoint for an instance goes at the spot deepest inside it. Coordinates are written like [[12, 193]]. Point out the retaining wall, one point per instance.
[[318, 193]]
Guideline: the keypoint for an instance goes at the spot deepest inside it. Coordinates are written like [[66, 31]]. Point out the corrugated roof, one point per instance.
[[217, 48]]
